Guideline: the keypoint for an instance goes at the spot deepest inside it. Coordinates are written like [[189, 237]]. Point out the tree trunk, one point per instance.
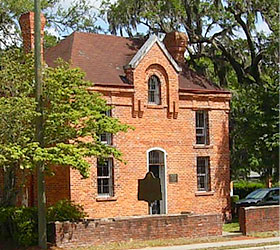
[[9, 192]]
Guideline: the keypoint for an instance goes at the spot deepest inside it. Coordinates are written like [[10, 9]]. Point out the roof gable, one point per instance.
[[141, 53]]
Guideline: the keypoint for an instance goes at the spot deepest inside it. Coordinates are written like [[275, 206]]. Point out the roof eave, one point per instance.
[[204, 91]]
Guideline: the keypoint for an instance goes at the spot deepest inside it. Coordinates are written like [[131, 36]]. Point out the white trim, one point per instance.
[[145, 49], [165, 174]]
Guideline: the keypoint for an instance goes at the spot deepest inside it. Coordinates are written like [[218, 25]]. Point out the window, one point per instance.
[[154, 90], [202, 127], [105, 177], [273, 195], [106, 138], [156, 157], [203, 174]]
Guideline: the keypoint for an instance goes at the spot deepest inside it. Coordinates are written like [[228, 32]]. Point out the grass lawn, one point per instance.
[[232, 227]]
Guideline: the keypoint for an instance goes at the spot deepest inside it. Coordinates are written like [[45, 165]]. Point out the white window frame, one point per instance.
[[204, 129], [205, 175], [110, 192], [154, 94]]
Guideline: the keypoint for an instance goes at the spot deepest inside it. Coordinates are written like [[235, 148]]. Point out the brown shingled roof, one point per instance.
[[102, 57]]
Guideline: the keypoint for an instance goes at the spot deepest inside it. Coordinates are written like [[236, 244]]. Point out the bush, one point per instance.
[[233, 200], [243, 188], [21, 224], [65, 210], [276, 184]]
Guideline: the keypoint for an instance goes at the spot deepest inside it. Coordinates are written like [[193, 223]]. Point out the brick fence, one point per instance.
[[95, 232], [259, 219]]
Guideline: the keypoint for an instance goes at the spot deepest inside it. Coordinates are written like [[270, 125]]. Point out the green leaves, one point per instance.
[[255, 129], [73, 117]]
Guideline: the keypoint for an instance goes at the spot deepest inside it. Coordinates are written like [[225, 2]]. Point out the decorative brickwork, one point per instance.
[[98, 232], [259, 219]]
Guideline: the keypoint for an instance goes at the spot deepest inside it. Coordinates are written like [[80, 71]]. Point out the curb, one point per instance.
[[230, 243], [272, 247]]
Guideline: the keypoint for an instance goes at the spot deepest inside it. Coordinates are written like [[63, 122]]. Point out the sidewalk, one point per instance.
[[230, 243]]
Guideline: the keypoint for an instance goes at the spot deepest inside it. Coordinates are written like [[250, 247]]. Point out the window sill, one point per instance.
[[202, 146], [105, 198], [204, 193], [155, 106]]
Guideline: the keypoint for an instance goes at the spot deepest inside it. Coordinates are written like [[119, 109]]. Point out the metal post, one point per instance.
[[42, 223]]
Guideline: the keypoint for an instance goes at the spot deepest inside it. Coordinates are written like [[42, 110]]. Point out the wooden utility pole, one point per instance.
[[42, 222]]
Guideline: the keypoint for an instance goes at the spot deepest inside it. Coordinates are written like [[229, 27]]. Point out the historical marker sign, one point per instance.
[[149, 188]]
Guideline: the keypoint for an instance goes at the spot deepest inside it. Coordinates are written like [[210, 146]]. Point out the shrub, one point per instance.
[[65, 210], [243, 188], [21, 224], [233, 200], [276, 184]]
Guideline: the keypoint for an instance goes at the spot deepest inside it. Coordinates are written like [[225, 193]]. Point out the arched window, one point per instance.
[[154, 90]]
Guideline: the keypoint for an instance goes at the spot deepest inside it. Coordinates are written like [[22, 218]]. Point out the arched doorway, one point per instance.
[[157, 165]]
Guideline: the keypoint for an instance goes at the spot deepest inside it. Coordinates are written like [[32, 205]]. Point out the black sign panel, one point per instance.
[[149, 188]]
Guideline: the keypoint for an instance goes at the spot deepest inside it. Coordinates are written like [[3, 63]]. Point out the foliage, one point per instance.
[[234, 198], [65, 210], [214, 29], [80, 16], [255, 130], [73, 118], [21, 223], [243, 188]]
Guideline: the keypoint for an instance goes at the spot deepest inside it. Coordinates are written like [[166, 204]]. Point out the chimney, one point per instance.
[[27, 22], [176, 43]]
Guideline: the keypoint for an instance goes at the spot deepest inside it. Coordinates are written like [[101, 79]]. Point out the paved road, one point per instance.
[[223, 244]]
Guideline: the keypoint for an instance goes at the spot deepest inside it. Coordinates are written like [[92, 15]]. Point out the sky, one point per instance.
[[261, 26], [95, 3]]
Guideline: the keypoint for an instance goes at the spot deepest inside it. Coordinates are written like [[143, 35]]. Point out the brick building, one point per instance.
[[181, 128]]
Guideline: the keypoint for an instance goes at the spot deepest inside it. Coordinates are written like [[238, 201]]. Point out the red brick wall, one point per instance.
[[138, 228], [158, 126], [57, 186], [259, 219]]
